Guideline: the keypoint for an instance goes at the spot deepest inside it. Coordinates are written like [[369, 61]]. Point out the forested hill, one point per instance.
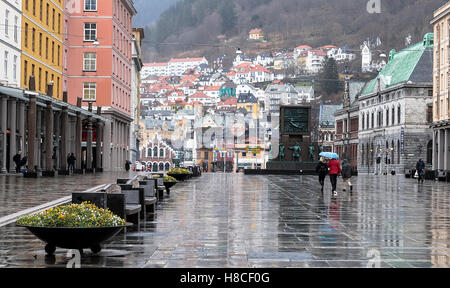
[[149, 11], [192, 26]]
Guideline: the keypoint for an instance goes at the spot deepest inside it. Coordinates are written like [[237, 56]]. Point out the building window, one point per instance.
[[26, 35], [53, 19], [155, 152], [387, 117], [25, 72], [32, 39], [398, 115], [40, 10], [90, 61], [89, 91], [59, 23], [90, 31], [6, 23], [46, 48], [16, 28], [15, 68], [53, 51], [161, 153], [40, 44], [90, 5], [65, 59], [39, 79], [430, 114], [59, 55], [393, 116], [46, 14], [6, 64]]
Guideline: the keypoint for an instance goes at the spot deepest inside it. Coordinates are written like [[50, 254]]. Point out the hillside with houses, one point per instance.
[[212, 28]]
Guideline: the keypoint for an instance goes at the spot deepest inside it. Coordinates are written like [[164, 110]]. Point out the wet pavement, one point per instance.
[[229, 220], [18, 193]]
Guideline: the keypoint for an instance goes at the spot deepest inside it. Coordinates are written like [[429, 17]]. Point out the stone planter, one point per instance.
[[179, 177], [74, 238]]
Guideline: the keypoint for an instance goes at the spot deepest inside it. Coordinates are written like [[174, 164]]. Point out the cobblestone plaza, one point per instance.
[[236, 220]]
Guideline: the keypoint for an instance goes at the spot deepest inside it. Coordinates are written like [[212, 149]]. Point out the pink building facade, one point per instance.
[[97, 68]]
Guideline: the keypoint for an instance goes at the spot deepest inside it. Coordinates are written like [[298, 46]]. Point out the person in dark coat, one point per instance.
[[322, 169], [17, 159], [347, 171], [71, 161], [420, 168], [127, 165], [334, 166]]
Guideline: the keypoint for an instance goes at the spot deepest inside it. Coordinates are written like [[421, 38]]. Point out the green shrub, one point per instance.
[[169, 179]]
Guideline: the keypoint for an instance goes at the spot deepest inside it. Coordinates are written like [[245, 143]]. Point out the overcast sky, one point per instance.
[[149, 11]]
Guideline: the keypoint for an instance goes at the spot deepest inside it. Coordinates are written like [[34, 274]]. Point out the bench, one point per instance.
[[150, 199], [159, 186], [133, 203]]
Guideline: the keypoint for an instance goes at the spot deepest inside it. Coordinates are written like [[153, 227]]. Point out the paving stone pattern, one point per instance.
[[233, 220]]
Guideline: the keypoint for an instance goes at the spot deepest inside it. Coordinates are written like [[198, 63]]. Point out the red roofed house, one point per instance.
[[256, 34], [301, 48], [212, 91], [229, 102], [202, 98], [249, 73]]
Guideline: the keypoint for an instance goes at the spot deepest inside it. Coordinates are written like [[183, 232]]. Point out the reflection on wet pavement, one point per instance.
[[229, 220], [18, 193]]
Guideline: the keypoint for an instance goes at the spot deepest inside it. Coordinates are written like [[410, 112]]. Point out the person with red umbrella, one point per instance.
[[334, 167]]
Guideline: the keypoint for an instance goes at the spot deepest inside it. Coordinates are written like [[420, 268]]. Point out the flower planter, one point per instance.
[[74, 238]]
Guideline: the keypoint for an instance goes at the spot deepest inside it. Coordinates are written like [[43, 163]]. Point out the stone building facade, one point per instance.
[[441, 95], [395, 113], [347, 137]]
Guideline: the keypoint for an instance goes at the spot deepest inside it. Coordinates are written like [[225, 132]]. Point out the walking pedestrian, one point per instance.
[[334, 167], [420, 168], [322, 169], [71, 162], [347, 171], [17, 159], [127, 165]]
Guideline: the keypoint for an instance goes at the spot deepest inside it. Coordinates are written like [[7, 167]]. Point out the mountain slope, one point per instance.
[[149, 11], [191, 26]]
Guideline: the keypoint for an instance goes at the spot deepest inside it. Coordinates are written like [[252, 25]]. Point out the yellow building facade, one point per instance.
[[252, 108], [42, 46]]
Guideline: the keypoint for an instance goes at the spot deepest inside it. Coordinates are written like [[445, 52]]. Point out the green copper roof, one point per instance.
[[402, 65]]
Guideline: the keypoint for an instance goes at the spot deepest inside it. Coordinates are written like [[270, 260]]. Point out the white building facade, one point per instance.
[[10, 42]]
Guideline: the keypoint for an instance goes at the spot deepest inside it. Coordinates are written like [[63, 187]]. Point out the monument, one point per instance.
[[296, 149]]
